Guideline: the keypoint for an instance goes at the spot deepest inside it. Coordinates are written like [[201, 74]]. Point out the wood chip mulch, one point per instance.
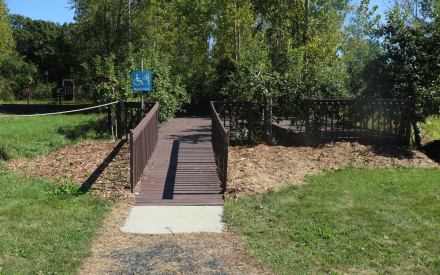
[[260, 168], [104, 166]]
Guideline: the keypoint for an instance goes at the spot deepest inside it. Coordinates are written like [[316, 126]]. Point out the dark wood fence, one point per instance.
[[237, 118], [40, 108], [143, 138], [373, 122], [128, 115], [220, 146]]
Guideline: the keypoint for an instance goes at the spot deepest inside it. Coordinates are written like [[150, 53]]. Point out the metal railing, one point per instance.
[[220, 146], [237, 118], [372, 122], [143, 140]]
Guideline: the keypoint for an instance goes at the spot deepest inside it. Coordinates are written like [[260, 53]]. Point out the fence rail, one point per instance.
[[373, 122], [128, 115], [143, 140], [220, 146], [237, 118]]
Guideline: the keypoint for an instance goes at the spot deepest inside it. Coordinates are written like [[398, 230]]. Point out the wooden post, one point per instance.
[[307, 119], [119, 119], [110, 120]]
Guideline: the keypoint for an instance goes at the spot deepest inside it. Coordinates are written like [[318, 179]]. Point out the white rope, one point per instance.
[[65, 112]]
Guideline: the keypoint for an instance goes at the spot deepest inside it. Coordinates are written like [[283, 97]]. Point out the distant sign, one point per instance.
[[27, 91], [141, 81], [58, 92], [46, 72], [69, 85]]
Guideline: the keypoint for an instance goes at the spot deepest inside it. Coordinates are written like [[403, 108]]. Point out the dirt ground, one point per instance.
[[104, 166]]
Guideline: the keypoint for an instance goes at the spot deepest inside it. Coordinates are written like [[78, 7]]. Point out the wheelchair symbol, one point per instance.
[[137, 81]]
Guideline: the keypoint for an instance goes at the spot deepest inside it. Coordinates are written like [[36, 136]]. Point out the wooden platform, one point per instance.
[[182, 169]]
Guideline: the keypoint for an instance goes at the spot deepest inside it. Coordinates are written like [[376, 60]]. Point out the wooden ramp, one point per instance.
[[182, 169]]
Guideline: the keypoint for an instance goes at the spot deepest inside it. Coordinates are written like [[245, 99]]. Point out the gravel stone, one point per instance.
[[151, 260]]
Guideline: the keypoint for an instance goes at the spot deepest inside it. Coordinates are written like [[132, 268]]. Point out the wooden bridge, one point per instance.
[[182, 170]]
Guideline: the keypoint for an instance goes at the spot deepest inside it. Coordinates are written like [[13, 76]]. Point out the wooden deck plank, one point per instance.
[[182, 169]]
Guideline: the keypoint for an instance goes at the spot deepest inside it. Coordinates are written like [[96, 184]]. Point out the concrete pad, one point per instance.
[[176, 219]]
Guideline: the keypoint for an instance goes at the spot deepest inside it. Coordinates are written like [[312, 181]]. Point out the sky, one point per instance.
[[57, 11], [47, 10]]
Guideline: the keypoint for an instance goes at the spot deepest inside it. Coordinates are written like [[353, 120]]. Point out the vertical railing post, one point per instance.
[[110, 123], [307, 119], [119, 119], [131, 162]]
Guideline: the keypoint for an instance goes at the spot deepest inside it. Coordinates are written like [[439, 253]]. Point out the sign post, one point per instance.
[[142, 95], [27, 91], [58, 92], [140, 82]]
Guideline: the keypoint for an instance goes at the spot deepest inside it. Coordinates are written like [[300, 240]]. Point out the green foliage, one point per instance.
[[408, 67], [43, 44], [350, 220], [114, 81], [41, 231], [431, 129], [6, 40], [67, 188], [17, 73]]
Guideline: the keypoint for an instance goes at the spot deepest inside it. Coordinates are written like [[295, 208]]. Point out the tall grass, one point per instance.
[[32, 136]]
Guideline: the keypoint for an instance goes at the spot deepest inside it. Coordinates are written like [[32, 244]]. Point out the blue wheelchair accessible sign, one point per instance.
[[141, 81]]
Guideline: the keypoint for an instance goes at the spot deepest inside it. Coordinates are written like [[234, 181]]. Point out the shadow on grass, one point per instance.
[[85, 187], [94, 129]]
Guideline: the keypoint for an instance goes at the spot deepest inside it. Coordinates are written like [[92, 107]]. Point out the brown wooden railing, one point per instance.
[[128, 115], [143, 140], [220, 146], [237, 118], [373, 122]]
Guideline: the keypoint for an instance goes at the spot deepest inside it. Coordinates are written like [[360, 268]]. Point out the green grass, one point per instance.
[[355, 221], [430, 129], [32, 136], [43, 226]]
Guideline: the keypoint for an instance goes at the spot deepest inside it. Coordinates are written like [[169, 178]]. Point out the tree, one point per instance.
[[43, 44], [408, 67], [6, 40]]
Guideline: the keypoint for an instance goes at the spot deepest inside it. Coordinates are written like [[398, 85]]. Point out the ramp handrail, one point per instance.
[[220, 146], [143, 140]]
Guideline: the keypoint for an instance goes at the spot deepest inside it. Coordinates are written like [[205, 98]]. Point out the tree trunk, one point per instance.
[[417, 135]]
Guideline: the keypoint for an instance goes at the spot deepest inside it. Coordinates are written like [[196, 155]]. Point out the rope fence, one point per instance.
[[65, 112]]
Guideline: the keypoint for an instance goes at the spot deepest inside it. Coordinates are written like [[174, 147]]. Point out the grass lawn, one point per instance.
[[44, 226], [354, 220], [33, 136]]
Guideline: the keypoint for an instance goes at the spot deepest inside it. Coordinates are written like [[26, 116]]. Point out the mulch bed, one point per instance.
[[262, 167], [104, 166]]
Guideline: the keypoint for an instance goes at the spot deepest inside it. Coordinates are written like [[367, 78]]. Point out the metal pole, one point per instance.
[[142, 94]]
